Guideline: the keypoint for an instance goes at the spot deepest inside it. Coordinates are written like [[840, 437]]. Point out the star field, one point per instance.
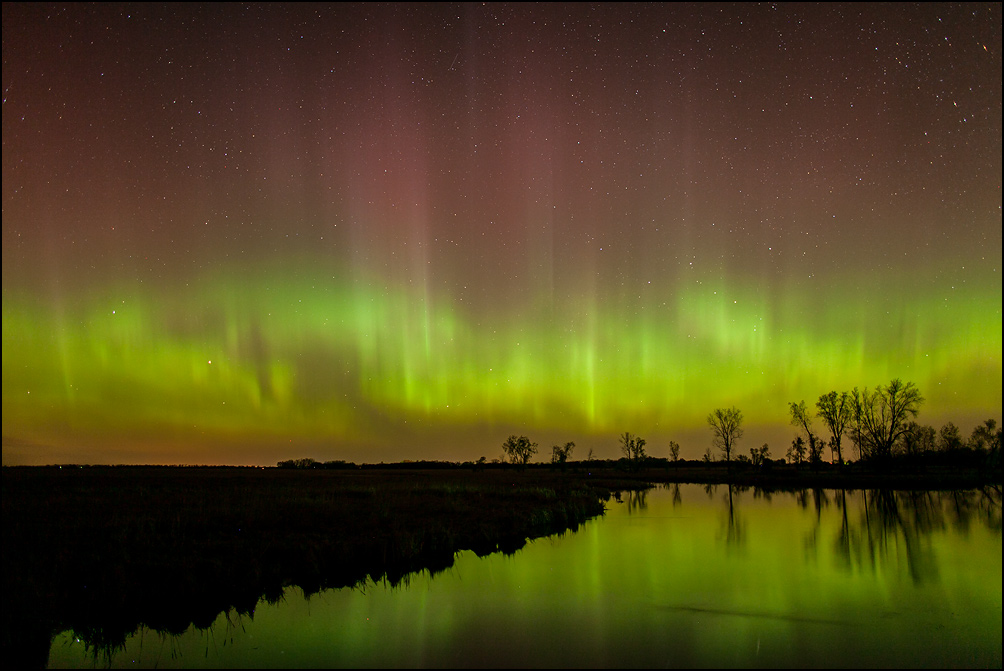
[[239, 234]]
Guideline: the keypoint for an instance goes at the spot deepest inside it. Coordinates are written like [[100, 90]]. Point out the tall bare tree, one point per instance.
[[727, 426], [880, 418], [802, 417], [759, 455], [835, 410], [674, 450], [632, 447]]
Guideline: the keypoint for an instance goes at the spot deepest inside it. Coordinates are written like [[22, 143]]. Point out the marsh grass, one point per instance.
[[105, 550]]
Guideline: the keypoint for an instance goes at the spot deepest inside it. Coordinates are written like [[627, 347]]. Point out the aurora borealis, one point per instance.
[[240, 234]]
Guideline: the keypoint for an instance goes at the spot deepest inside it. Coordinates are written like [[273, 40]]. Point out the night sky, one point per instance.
[[375, 232]]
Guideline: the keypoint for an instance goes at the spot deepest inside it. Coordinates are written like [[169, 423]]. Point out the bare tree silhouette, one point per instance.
[[835, 410], [727, 426], [880, 418], [519, 450]]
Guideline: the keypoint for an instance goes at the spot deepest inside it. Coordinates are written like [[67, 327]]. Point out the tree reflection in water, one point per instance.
[[907, 518], [734, 528], [635, 499], [677, 497], [888, 519]]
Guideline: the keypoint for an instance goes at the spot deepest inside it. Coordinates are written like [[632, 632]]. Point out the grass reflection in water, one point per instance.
[[103, 550]]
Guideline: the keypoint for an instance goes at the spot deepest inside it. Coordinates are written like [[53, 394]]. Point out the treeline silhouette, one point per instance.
[[879, 422], [881, 425], [307, 463]]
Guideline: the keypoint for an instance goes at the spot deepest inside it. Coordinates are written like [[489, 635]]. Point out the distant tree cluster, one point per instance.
[[633, 447], [918, 439], [880, 423], [760, 456], [879, 419], [560, 455], [875, 420], [519, 450], [298, 463], [308, 463], [796, 453]]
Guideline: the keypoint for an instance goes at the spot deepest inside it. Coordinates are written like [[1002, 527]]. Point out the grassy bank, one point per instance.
[[102, 550]]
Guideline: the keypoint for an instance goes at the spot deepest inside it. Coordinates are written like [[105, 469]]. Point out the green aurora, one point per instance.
[[252, 357], [381, 232]]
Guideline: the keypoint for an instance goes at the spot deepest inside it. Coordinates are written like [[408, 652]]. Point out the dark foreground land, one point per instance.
[[101, 550]]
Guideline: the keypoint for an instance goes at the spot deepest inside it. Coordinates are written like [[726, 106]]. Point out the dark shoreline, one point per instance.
[[102, 550], [789, 478]]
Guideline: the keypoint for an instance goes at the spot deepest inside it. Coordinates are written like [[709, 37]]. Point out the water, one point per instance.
[[675, 577]]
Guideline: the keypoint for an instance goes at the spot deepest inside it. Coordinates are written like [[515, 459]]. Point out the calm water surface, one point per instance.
[[678, 576]]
